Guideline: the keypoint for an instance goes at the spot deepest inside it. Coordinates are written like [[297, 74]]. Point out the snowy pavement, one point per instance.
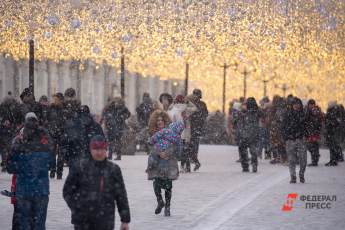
[[218, 197]]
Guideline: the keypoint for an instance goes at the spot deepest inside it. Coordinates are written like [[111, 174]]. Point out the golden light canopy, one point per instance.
[[298, 43]]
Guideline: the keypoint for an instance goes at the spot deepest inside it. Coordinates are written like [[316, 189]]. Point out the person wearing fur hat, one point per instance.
[[92, 189]]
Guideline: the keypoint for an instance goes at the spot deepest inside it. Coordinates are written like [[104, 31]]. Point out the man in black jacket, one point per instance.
[[91, 189], [198, 122], [114, 117], [294, 132], [55, 127]]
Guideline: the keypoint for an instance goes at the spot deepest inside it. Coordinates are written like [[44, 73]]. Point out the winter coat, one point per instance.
[[114, 117], [71, 107], [161, 168], [294, 125], [198, 119], [167, 137], [248, 126], [313, 124], [175, 115], [275, 126], [34, 107], [55, 121], [10, 117], [92, 189], [91, 128], [335, 124], [235, 118], [144, 111], [31, 159]]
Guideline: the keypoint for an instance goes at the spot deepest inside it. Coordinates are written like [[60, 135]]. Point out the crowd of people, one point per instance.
[[284, 129], [38, 139]]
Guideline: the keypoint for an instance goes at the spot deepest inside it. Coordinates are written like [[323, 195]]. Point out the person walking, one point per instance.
[[313, 124], [184, 106], [162, 162], [92, 189], [249, 131], [334, 132], [30, 160], [114, 117], [294, 125], [55, 129], [198, 122]]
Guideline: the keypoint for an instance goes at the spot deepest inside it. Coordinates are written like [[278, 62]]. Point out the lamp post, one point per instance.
[[122, 73], [265, 82], [284, 87], [186, 79], [245, 76], [225, 66], [32, 66]]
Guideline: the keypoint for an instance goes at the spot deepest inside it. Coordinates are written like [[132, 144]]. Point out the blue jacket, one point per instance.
[[30, 161]]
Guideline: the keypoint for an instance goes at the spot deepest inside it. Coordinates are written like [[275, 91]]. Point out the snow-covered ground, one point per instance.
[[219, 196]]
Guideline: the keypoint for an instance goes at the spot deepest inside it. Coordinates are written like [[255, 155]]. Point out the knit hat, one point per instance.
[[98, 142], [26, 92], [30, 115], [179, 99]]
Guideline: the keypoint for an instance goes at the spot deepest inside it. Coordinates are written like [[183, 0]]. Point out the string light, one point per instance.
[[301, 41]]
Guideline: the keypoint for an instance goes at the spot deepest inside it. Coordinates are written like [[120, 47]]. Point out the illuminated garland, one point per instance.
[[300, 42]]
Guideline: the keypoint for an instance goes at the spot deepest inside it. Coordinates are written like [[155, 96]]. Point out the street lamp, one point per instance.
[[246, 73], [283, 87], [225, 67]]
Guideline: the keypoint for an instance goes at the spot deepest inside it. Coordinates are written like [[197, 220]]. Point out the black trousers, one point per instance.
[[334, 150], [166, 184], [253, 149], [313, 148], [59, 161], [115, 146], [92, 225], [186, 155], [194, 149]]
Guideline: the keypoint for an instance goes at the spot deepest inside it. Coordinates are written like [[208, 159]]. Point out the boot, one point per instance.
[[331, 163], [245, 170], [52, 174], [167, 202], [293, 180], [167, 210], [255, 168], [314, 164], [160, 206], [59, 176], [197, 166], [301, 179]]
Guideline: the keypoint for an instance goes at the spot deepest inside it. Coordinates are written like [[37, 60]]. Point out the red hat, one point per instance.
[[98, 142], [179, 99]]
